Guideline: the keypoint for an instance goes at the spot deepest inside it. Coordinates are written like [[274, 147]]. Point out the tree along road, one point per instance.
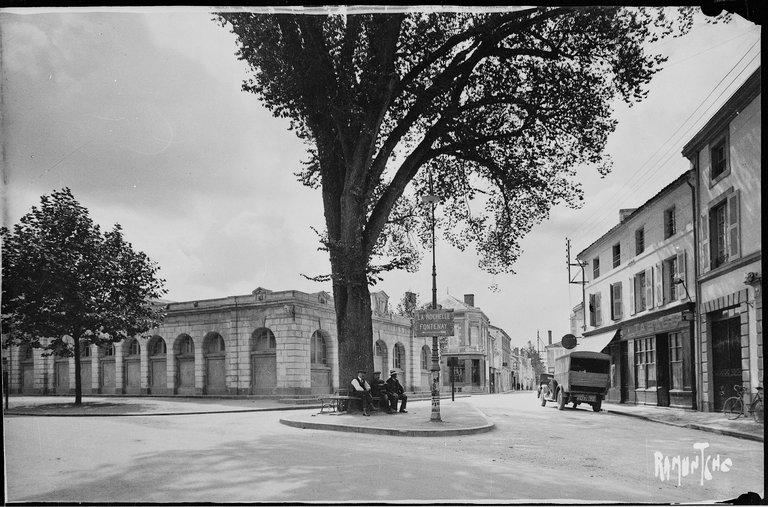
[[535, 453]]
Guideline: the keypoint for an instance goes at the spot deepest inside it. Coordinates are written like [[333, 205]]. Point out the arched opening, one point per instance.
[[107, 368], [184, 350], [27, 361], [320, 370], [215, 364], [426, 364], [61, 382], [86, 368], [263, 361], [158, 365], [398, 362], [132, 366], [381, 358]]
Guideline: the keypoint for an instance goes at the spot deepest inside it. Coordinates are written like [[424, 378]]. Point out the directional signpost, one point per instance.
[[433, 323]]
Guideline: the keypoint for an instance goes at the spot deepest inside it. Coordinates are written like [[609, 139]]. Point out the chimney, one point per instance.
[[469, 299], [624, 213], [550, 336]]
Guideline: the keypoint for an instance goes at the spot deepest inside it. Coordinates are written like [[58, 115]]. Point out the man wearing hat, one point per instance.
[[396, 392], [362, 389], [379, 388]]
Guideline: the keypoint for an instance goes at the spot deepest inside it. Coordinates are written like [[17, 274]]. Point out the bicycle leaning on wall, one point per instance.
[[733, 408]]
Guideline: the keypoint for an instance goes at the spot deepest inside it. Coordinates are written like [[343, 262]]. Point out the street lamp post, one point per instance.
[[435, 368]]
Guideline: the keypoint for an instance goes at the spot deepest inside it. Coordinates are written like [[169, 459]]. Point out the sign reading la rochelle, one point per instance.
[[433, 323]]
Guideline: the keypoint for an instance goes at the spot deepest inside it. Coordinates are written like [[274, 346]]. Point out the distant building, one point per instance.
[[470, 347], [503, 351]]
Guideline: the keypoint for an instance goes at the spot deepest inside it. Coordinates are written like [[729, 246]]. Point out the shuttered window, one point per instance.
[[617, 308], [718, 153]]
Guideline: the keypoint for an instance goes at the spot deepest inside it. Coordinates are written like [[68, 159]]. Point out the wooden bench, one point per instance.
[[341, 401]]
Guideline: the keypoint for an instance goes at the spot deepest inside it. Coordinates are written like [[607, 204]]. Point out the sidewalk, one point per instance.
[[458, 417], [714, 422]]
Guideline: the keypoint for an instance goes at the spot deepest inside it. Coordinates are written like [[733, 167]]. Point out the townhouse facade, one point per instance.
[[639, 305], [469, 349], [725, 156], [502, 345]]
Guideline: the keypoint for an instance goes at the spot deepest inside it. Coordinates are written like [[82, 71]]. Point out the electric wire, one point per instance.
[[634, 184]]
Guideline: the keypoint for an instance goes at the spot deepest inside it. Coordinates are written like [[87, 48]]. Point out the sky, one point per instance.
[[141, 114]]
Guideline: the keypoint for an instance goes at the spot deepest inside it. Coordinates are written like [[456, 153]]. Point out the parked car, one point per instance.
[[580, 377]]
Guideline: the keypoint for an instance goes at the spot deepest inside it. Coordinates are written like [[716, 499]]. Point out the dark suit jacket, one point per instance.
[[394, 386]]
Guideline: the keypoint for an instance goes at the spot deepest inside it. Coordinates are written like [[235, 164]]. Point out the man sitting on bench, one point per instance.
[[379, 388], [362, 389], [396, 392]]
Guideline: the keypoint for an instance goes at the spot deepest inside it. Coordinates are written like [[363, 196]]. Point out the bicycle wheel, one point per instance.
[[758, 407], [733, 407]]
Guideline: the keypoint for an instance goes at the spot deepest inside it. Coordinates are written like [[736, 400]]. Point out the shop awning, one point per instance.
[[596, 342]]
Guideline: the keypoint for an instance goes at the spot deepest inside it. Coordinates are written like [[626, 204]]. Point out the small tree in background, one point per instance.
[[538, 366], [408, 305], [63, 278]]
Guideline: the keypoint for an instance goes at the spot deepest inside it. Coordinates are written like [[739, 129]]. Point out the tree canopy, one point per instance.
[[65, 283], [499, 108]]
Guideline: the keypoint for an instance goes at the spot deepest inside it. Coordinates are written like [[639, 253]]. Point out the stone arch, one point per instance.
[[263, 350], [27, 370], [157, 351], [319, 354], [107, 369], [61, 370], [184, 358], [425, 363], [86, 367], [399, 362], [214, 354], [381, 358], [132, 366]]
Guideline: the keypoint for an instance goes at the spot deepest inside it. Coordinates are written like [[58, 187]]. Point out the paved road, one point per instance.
[[534, 453]]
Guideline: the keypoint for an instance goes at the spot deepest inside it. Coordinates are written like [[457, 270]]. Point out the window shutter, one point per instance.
[[665, 282], [631, 295], [660, 299], [649, 288], [681, 273], [592, 320], [617, 303], [598, 313], [704, 242], [733, 219]]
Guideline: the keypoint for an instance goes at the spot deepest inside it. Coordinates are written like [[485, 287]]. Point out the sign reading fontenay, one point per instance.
[[433, 323]]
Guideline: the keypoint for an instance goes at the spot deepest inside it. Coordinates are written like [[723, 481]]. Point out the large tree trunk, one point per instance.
[[354, 329]]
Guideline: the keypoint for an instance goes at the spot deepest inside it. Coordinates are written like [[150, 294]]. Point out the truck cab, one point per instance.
[[580, 377]]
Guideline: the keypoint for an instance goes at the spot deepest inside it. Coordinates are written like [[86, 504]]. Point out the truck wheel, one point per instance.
[[560, 400], [596, 406]]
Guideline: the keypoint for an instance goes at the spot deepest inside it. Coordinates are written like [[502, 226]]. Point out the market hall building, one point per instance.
[[271, 343]]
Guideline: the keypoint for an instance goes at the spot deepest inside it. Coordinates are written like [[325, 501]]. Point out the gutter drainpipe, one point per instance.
[[696, 331]]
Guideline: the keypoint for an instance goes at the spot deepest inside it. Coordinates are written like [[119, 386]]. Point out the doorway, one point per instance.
[[662, 370], [624, 373], [726, 358]]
